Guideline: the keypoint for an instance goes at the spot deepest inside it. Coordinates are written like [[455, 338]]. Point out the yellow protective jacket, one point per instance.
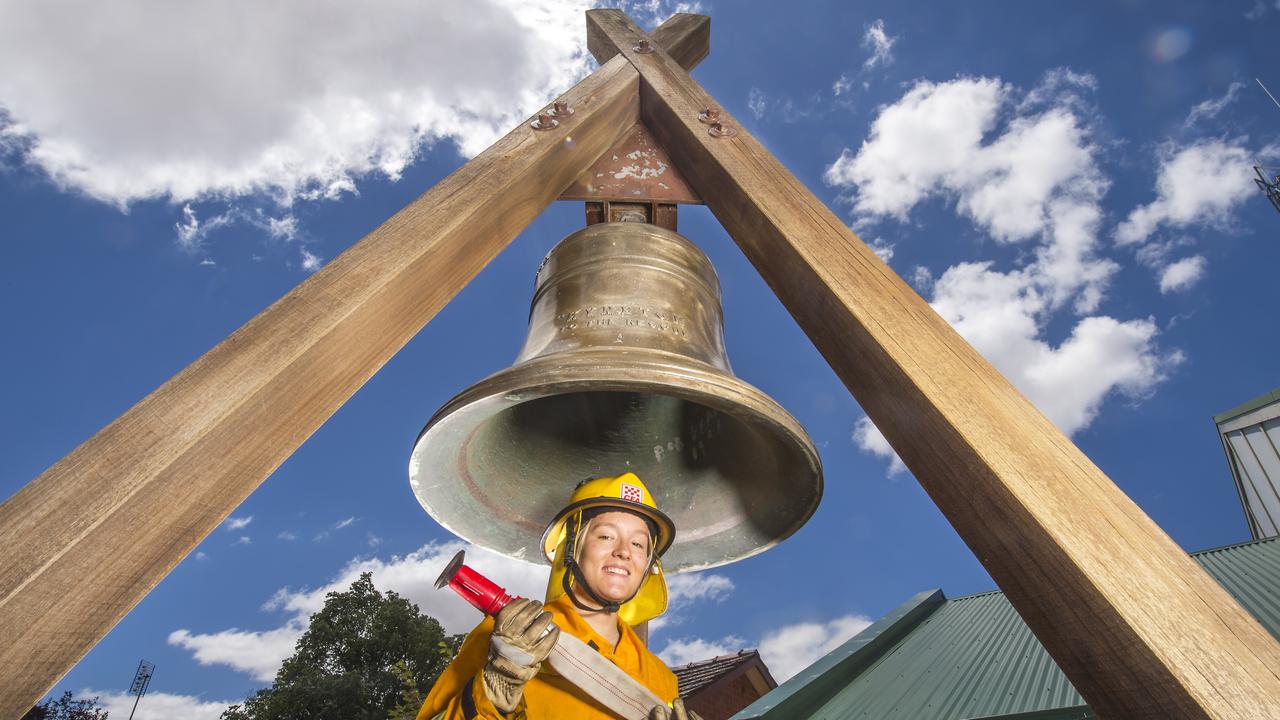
[[459, 693]]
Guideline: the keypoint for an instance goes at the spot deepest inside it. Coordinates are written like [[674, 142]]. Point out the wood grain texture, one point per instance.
[[1136, 625], [85, 541], [684, 36]]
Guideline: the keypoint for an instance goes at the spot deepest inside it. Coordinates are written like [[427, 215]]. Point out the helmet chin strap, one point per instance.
[[573, 569], [576, 572]]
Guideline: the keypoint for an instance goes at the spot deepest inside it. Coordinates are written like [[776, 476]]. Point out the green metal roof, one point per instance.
[[973, 658], [1251, 573], [1254, 404]]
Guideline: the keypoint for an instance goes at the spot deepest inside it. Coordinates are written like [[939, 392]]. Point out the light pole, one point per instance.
[[141, 680]]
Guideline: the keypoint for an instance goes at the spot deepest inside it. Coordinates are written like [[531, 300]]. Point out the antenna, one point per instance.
[[1270, 186], [141, 680], [1268, 92]]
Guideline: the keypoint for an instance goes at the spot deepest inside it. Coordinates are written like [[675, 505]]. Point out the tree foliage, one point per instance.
[[364, 656], [66, 708]]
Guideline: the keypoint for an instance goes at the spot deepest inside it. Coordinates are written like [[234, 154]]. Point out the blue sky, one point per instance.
[[1068, 183]]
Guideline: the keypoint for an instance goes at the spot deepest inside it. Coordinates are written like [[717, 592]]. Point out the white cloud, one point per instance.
[[159, 705], [286, 535], [757, 102], [687, 650], [785, 651], [882, 248], [243, 540], [192, 231], [201, 555], [930, 134], [1064, 89], [1036, 179], [650, 13], [880, 43], [1200, 184], [236, 523], [310, 261], [146, 99], [344, 523], [1182, 274], [283, 228], [692, 587], [841, 86], [260, 652], [688, 589], [921, 279], [1000, 315], [869, 438], [1209, 109], [788, 650], [1023, 168], [760, 104]]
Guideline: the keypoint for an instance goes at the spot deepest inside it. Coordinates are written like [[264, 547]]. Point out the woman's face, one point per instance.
[[614, 554]]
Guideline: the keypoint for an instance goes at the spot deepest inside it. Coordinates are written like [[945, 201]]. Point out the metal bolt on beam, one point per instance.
[[721, 130], [544, 121]]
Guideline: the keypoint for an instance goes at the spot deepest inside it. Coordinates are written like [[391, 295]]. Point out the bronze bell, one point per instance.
[[623, 369]]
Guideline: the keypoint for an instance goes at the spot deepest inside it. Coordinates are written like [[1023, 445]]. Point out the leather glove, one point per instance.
[[677, 712], [517, 648]]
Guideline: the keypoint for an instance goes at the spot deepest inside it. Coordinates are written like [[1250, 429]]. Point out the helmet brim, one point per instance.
[[666, 528]]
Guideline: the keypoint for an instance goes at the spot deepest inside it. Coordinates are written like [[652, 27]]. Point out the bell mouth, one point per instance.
[[736, 473]]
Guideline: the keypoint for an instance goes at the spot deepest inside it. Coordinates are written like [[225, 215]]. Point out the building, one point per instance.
[[719, 687], [972, 657], [1251, 438]]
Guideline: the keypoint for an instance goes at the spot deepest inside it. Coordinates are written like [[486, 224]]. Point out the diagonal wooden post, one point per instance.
[[1138, 627], [85, 541]]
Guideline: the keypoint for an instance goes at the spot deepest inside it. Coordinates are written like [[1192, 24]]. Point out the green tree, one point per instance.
[[66, 708], [364, 656]]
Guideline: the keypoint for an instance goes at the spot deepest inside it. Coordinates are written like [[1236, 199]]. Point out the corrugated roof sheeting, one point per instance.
[[1251, 573], [973, 657]]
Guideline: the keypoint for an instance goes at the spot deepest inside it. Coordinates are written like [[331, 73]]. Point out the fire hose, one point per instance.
[[573, 659]]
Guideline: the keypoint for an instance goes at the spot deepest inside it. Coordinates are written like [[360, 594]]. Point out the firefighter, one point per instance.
[[606, 577]]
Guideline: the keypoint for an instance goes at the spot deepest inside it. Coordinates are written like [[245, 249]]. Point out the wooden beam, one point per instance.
[[85, 541], [1138, 627], [684, 36], [90, 537]]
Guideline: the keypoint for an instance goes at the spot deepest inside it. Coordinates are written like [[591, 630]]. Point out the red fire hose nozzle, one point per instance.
[[480, 591]]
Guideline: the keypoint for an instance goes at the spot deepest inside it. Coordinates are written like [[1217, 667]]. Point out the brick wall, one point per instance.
[[719, 701]]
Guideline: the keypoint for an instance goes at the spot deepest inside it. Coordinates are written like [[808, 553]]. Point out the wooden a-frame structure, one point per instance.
[[1136, 625]]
